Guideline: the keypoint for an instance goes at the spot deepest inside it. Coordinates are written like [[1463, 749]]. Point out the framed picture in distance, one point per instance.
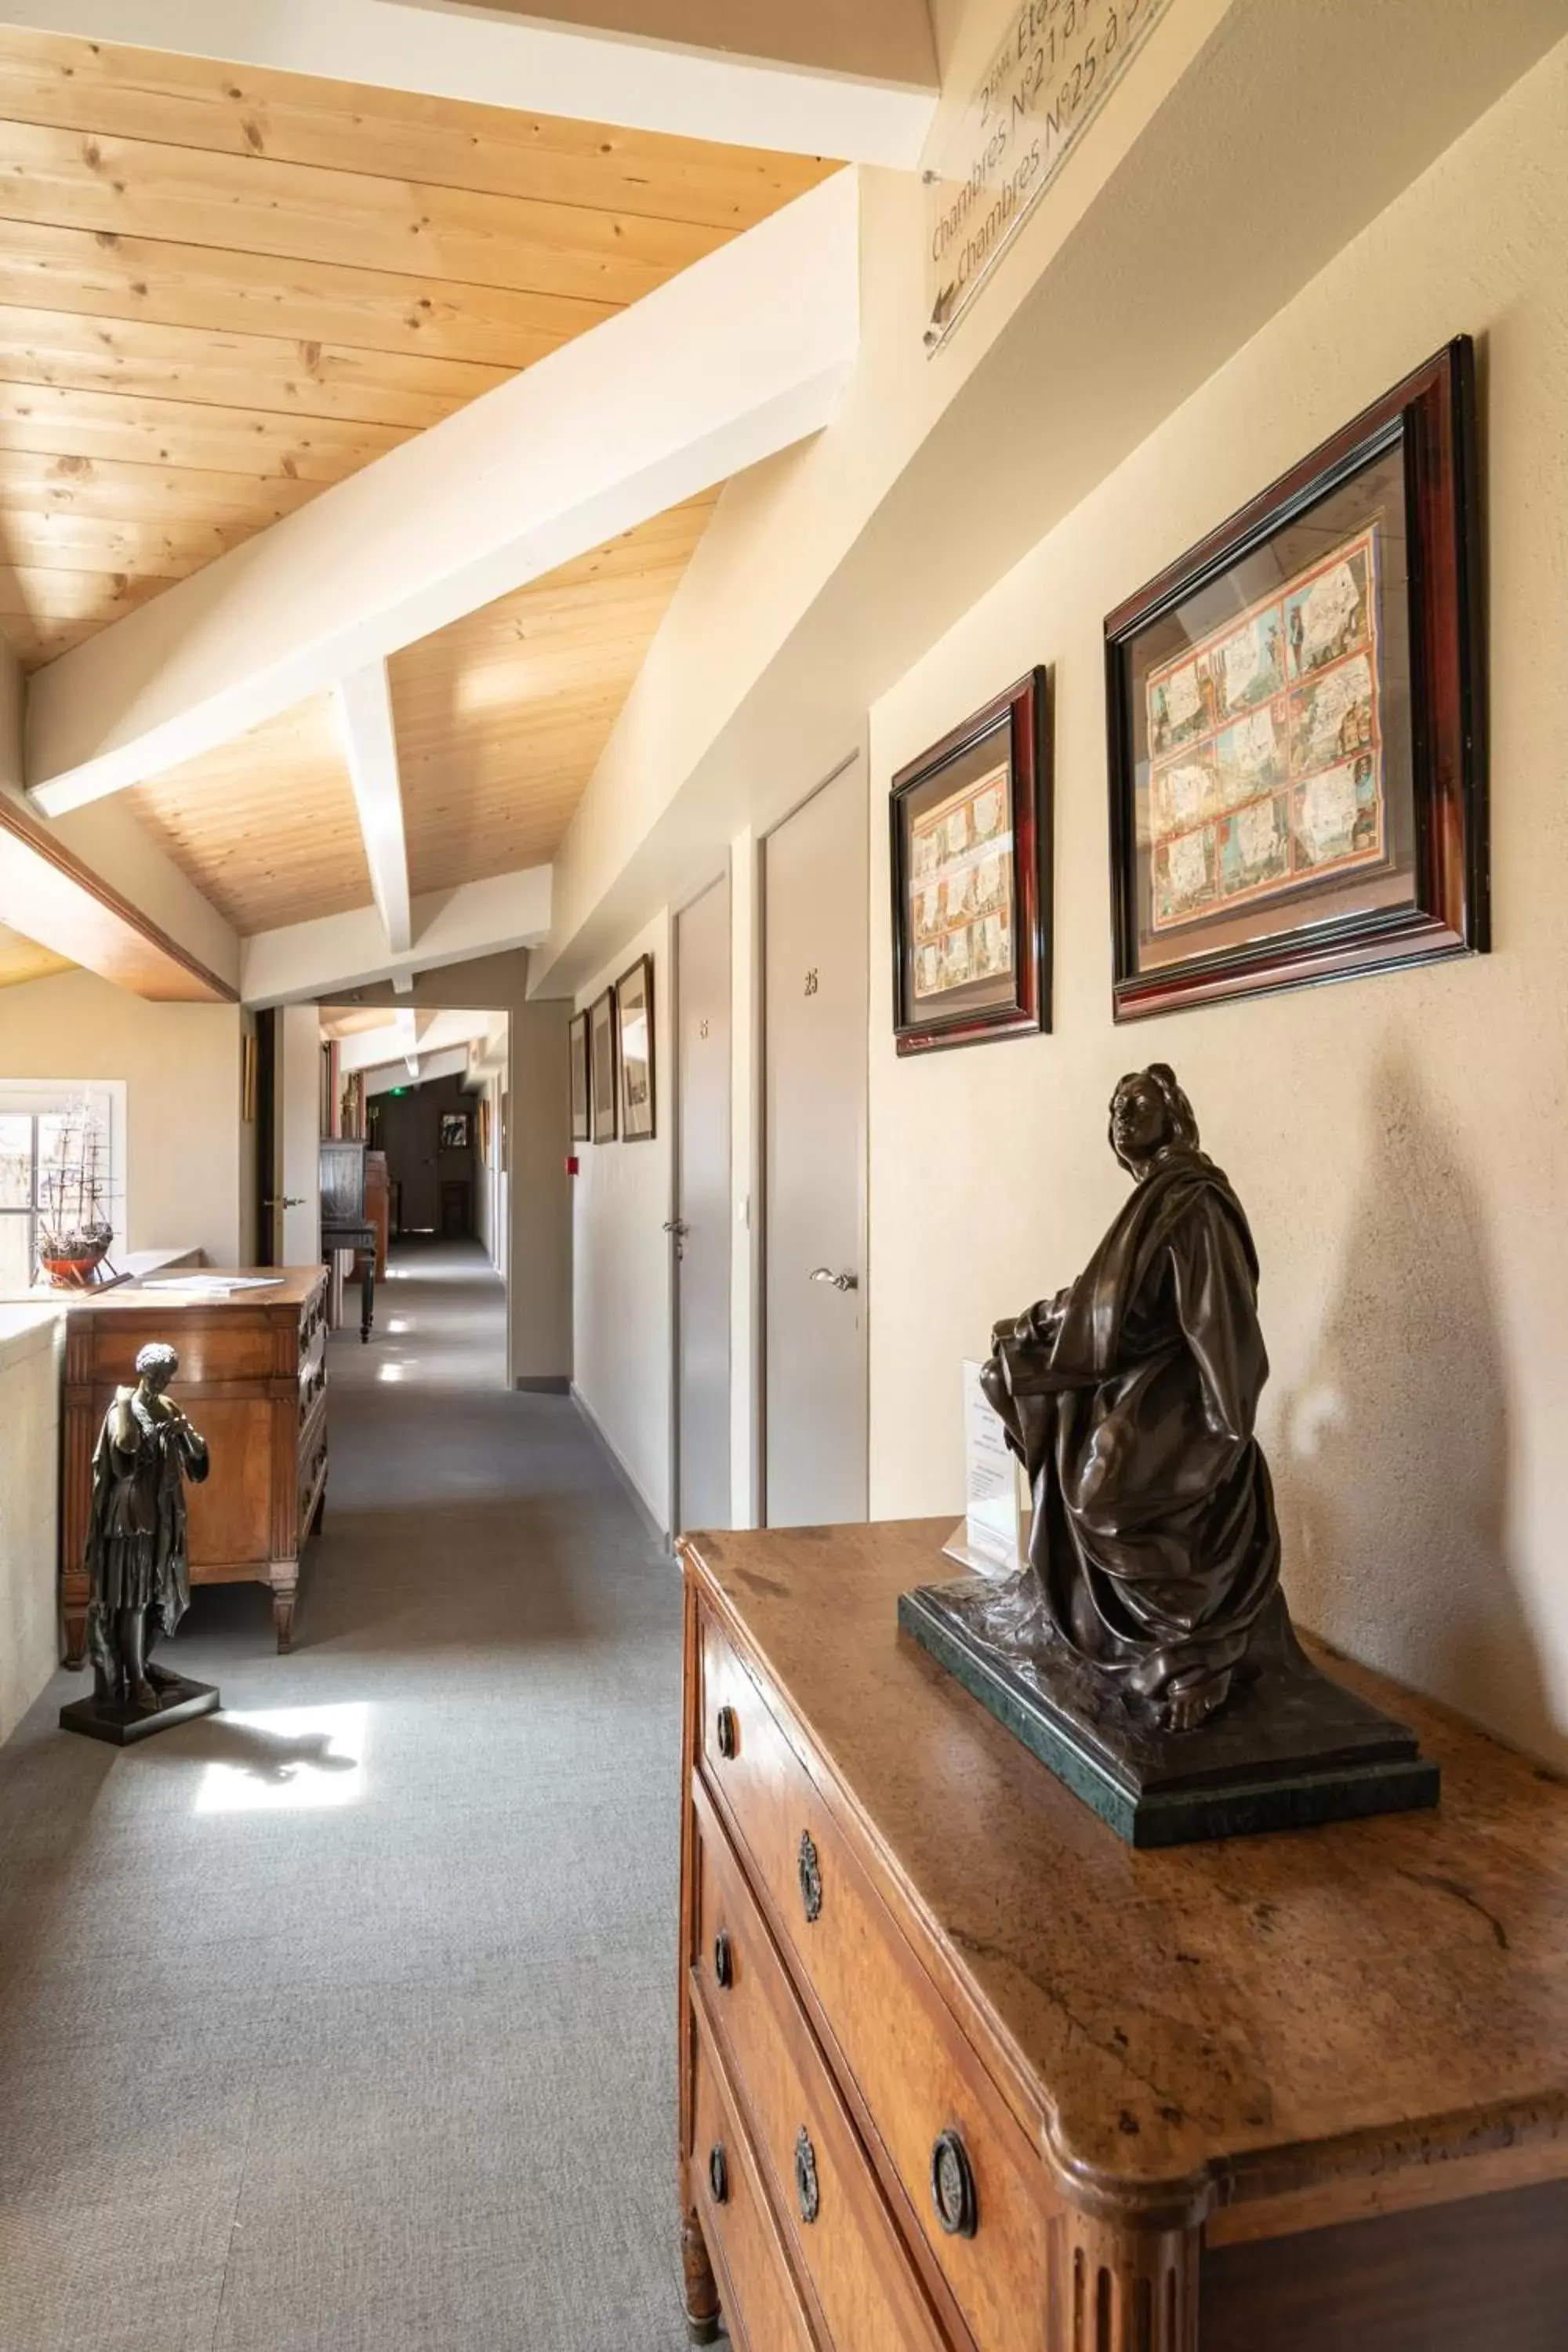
[[634, 1050], [602, 1068], [577, 1049]]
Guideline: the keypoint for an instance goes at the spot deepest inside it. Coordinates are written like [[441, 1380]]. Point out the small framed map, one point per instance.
[[971, 827], [1296, 766]]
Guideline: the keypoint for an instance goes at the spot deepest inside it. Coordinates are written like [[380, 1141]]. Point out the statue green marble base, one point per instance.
[[1291, 1749]]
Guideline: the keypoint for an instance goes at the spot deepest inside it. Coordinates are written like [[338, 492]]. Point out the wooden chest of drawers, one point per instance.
[[961, 2073], [253, 1378]]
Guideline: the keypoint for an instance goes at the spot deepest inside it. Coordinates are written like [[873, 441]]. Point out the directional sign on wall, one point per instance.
[[1045, 84]]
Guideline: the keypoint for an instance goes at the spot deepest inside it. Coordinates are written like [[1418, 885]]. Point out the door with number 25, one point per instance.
[[814, 984]]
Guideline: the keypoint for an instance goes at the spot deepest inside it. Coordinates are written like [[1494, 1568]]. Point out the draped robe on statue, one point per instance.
[[1130, 1398]]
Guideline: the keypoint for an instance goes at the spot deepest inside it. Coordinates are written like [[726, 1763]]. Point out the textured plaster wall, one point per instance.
[[1400, 1144], [181, 1066], [31, 1341], [621, 1281]]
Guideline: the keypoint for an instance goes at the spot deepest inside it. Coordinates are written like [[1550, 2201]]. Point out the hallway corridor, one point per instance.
[[344, 2021]]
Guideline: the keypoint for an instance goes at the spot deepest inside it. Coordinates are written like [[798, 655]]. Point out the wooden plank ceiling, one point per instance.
[[500, 719], [23, 960], [224, 288]]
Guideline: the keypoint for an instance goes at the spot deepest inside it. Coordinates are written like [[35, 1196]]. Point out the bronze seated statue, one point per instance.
[[1144, 1651], [1131, 1398]]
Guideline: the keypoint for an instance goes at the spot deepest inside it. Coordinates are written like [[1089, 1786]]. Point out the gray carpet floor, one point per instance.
[[345, 2019]]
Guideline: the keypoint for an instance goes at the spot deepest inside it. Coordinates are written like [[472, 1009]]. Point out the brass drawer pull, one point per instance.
[[728, 1733], [810, 1870], [952, 2187], [723, 1960], [719, 2173], [806, 2183]]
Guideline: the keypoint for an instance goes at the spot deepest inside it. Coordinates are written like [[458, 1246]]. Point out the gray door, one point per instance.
[[289, 1044], [702, 1211], [814, 1109]]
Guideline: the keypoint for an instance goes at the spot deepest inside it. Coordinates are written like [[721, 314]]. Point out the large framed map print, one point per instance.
[[971, 833], [1296, 744]]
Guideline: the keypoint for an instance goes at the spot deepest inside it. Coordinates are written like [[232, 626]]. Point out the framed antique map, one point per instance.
[[1296, 788], [970, 824]]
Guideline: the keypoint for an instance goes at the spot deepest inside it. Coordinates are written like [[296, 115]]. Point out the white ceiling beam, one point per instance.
[[733, 360], [328, 957], [386, 1075], [406, 1021], [403, 980], [370, 746], [500, 60], [365, 1049]]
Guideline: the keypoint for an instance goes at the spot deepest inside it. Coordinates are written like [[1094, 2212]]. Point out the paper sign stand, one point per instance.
[[993, 1537]]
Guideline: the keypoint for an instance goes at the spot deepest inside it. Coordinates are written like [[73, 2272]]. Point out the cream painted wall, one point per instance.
[[32, 1341], [539, 1271], [621, 1280], [181, 1065], [1400, 1144]]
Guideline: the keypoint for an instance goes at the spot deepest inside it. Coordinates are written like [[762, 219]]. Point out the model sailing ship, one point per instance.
[[74, 1231]]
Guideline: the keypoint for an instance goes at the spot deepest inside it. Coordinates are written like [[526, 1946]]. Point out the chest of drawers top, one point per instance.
[[1269, 2017], [246, 1334]]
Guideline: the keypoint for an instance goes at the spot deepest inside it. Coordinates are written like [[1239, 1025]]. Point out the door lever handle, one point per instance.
[[839, 1281], [674, 1225]]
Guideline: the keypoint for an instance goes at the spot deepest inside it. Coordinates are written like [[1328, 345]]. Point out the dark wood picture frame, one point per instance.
[[603, 1084], [1428, 421], [577, 1055], [635, 1127], [1021, 715]]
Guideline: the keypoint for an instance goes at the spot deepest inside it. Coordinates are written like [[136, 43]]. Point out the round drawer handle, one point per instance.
[[719, 2173], [810, 1873], [723, 1960], [728, 1733], [952, 2187], [806, 2189]]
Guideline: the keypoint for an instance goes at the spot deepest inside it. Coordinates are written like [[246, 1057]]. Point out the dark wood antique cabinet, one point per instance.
[[253, 1378], [960, 2071]]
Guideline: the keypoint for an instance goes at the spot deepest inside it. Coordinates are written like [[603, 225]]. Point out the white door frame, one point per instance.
[[760, 1369], [720, 872]]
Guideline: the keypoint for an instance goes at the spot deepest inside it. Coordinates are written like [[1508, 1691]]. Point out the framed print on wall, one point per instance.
[[602, 1068], [454, 1131], [1298, 784], [971, 873], [634, 1050], [577, 1049]]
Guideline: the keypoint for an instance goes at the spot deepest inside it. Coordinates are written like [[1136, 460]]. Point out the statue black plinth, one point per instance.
[[1145, 1652], [122, 1725], [1292, 1747]]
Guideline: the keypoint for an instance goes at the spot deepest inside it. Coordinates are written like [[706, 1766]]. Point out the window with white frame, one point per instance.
[[40, 1120]]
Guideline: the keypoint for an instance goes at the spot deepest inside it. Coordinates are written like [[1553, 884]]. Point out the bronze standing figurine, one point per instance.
[[136, 1558], [1145, 1652]]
